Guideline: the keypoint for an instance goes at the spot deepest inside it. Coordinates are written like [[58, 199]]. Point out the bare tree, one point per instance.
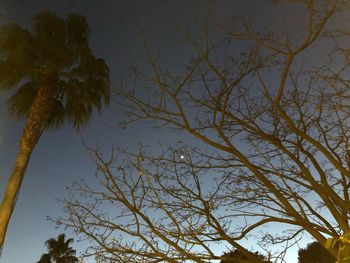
[[154, 210], [269, 112]]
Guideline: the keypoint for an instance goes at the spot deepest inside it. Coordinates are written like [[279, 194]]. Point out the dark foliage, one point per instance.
[[236, 257], [57, 50], [59, 251], [315, 253]]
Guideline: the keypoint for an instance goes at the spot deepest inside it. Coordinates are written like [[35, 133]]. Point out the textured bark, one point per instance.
[[38, 116]]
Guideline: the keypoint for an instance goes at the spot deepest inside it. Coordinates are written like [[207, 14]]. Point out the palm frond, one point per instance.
[[16, 55], [19, 104], [57, 116]]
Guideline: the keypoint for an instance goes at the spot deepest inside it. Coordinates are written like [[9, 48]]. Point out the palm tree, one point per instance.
[[56, 79], [59, 251]]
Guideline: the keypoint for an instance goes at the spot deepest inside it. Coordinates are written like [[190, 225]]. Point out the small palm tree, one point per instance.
[[59, 251], [55, 79]]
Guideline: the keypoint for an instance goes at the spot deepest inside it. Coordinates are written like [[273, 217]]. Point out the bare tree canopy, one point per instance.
[[267, 109]]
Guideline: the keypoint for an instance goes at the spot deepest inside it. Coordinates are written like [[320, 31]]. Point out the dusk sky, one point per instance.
[[60, 157]]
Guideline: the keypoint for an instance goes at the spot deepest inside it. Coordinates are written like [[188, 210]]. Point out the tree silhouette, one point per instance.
[[59, 251], [56, 78], [236, 256], [315, 253]]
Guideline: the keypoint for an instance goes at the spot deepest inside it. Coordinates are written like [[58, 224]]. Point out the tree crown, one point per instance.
[[55, 53]]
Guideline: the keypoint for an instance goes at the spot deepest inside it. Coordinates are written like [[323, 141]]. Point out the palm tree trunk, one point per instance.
[[36, 121]]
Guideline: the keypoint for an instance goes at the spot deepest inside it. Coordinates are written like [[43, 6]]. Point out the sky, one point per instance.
[[60, 157]]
